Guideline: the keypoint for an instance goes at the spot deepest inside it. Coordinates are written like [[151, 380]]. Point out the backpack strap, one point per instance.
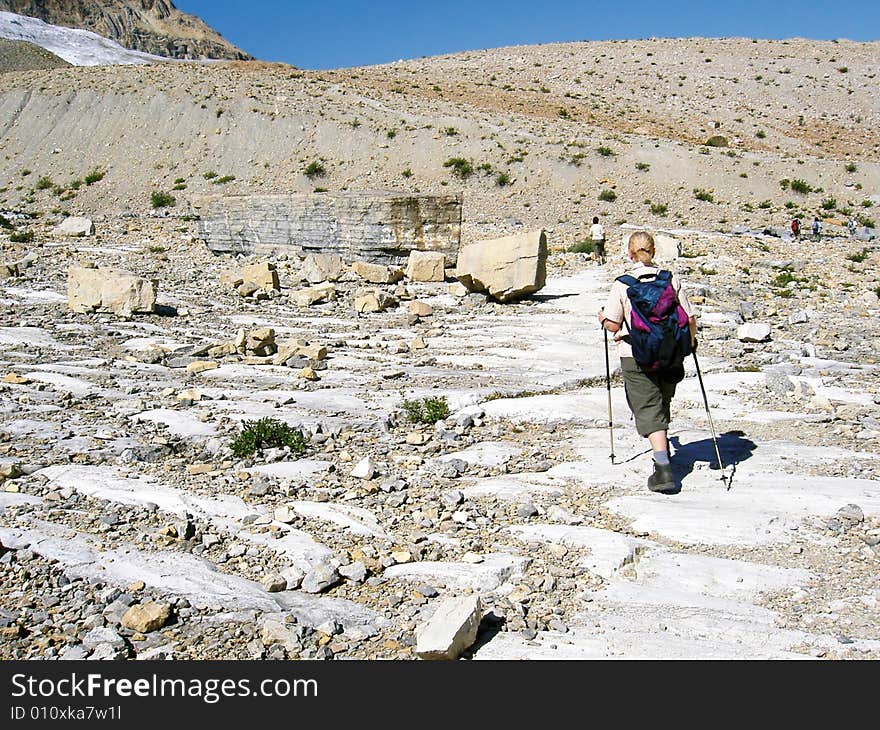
[[627, 280]]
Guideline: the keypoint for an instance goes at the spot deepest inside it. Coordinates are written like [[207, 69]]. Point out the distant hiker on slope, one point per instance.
[[851, 227], [795, 228], [817, 229], [597, 234], [652, 349]]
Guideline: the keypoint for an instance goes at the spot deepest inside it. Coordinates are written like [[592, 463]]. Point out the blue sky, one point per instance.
[[335, 33]]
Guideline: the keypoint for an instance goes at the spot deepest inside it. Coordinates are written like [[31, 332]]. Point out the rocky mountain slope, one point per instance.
[[151, 26], [552, 134]]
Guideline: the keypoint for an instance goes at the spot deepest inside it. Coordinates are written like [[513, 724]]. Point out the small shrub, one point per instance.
[[860, 256], [704, 195], [829, 204], [225, 179], [867, 203], [866, 222], [179, 186], [765, 204], [502, 179], [157, 249], [450, 131], [96, 175], [44, 183], [320, 190], [4, 223], [267, 433], [162, 200], [607, 196], [801, 186], [877, 292], [25, 172], [75, 184], [315, 169], [21, 237], [407, 173], [783, 279], [391, 133], [584, 246], [642, 166], [842, 69], [659, 208], [605, 151], [426, 410], [460, 166], [210, 175], [851, 167], [219, 113], [785, 183], [760, 134]]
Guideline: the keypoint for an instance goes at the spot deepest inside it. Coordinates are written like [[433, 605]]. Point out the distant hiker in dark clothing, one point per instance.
[[817, 229], [851, 227], [795, 228], [597, 234], [648, 392]]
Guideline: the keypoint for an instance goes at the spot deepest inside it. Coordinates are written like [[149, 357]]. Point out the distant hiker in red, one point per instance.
[[650, 375], [795, 228]]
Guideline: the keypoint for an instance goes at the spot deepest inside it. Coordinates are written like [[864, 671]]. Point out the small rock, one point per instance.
[[320, 578], [146, 617], [274, 583], [364, 469]]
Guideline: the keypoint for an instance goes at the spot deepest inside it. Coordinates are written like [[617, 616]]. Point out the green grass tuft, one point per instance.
[[267, 433], [426, 410]]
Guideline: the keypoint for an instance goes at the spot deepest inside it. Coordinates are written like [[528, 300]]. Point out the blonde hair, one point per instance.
[[641, 247]]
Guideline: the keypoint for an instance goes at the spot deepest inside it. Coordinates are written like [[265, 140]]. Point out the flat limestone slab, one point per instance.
[[382, 227], [760, 508], [179, 574], [485, 577], [606, 551], [487, 453], [357, 520]]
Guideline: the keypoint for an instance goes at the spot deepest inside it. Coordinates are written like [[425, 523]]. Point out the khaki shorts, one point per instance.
[[648, 395]]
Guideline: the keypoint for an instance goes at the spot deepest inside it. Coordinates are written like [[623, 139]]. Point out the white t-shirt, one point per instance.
[[597, 232]]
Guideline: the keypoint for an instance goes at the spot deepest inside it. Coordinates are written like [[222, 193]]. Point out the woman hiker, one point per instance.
[[648, 394]]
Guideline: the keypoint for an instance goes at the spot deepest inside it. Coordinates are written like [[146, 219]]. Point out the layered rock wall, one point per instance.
[[379, 227]]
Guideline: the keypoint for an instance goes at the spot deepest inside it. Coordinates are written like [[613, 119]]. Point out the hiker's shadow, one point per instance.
[[733, 446]]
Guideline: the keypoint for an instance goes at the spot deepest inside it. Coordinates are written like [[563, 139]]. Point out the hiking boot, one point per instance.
[[662, 480]]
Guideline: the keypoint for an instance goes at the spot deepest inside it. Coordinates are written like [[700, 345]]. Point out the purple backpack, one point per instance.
[[659, 333]]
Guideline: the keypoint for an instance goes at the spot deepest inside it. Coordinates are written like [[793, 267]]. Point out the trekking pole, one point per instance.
[[608, 384], [711, 424]]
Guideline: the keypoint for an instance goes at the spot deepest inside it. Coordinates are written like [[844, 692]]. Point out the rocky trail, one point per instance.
[[130, 529]]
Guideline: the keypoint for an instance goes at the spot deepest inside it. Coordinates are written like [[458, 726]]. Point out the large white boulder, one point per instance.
[[753, 332], [507, 268], [76, 226], [109, 290]]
